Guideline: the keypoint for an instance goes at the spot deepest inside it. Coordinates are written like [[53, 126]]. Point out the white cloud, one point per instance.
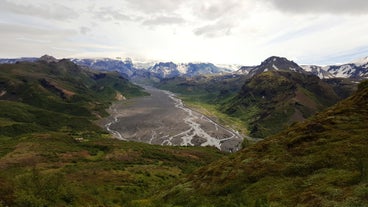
[[220, 31], [84, 30], [109, 13], [352, 7], [220, 28], [155, 6], [163, 20], [219, 9], [43, 10]]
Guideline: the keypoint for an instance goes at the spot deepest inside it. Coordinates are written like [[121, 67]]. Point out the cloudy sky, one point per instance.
[[219, 31]]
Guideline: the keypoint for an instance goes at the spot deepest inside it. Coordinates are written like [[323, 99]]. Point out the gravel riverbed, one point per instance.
[[162, 119]]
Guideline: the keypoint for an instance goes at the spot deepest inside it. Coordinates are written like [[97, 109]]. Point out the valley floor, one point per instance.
[[162, 119]]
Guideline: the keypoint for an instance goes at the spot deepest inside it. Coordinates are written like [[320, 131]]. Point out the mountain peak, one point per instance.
[[48, 59], [275, 63], [279, 63], [275, 59]]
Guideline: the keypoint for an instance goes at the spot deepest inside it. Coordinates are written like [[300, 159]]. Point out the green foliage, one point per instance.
[[41, 97], [319, 162], [270, 101], [51, 153], [262, 105], [53, 169], [36, 189]]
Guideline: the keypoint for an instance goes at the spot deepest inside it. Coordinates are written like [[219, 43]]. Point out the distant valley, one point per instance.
[[64, 127], [254, 98]]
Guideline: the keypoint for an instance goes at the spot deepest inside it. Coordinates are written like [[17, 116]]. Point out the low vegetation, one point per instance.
[[56, 96], [319, 162], [55, 169], [264, 104], [53, 154]]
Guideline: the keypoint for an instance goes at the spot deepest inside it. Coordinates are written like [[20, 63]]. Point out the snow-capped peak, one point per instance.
[[361, 61]]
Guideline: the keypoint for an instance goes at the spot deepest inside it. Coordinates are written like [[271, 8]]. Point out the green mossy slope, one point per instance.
[[322, 161], [52, 153]]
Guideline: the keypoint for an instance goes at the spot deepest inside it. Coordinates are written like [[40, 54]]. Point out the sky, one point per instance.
[[243, 32]]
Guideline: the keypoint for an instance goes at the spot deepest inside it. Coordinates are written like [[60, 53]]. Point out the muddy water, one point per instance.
[[162, 119]]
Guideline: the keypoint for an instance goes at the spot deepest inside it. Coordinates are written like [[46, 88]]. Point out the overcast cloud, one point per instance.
[[42, 10], [352, 7], [220, 31]]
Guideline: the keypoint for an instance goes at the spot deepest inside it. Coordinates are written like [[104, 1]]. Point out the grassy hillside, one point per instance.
[[207, 89], [263, 104], [52, 153], [56, 96], [322, 161], [272, 100], [55, 169]]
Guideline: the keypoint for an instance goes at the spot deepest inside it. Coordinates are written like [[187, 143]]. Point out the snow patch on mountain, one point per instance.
[[319, 71], [182, 68], [229, 67], [244, 70], [357, 69]]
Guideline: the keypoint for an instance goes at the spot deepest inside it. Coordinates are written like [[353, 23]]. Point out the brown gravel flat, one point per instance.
[[162, 119]]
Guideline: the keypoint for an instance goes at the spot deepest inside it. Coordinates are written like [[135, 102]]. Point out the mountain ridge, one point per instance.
[[319, 162], [269, 101], [263, 101], [66, 91], [356, 69]]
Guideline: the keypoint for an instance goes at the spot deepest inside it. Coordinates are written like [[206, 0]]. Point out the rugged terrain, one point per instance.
[[52, 153], [272, 100], [319, 162], [262, 102], [56, 96]]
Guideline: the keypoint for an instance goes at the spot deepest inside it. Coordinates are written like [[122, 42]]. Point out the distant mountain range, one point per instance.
[[160, 70], [170, 69], [15, 60], [357, 69], [124, 67]]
